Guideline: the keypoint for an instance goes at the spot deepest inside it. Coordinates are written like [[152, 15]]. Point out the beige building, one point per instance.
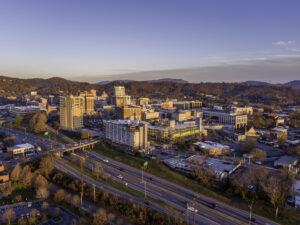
[[186, 105], [128, 113], [149, 115], [128, 134], [71, 112], [247, 110], [88, 101], [143, 101], [119, 98], [226, 117]]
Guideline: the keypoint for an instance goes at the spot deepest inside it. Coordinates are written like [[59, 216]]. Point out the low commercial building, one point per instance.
[[212, 148], [21, 150], [4, 176], [25, 111], [128, 134], [289, 162], [184, 115], [175, 131], [226, 117], [187, 105], [246, 110], [150, 115]]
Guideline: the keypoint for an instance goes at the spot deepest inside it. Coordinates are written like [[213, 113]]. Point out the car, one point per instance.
[[38, 213], [121, 169], [258, 162], [151, 179], [252, 219], [27, 215], [120, 176], [214, 205], [22, 216], [191, 208], [250, 186], [146, 203], [105, 160]]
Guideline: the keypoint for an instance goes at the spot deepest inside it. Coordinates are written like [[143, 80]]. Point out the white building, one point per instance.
[[226, 117], [22, 149], [130, 134]]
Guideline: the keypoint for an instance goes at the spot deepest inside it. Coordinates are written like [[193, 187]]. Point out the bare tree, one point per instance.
[[75, 200], [46, 165], [100, 217], [9, 216], [16, 172], [59, 195]]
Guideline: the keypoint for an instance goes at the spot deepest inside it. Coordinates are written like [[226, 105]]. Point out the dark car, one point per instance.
[[121, 169], [147, 203], [151, 179]]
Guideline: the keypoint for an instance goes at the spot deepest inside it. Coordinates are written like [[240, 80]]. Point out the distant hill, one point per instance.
[[165, 88], [256, 83], [293, 84], [152, 81]]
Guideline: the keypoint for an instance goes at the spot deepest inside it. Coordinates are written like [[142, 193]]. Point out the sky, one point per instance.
[[201, 40]]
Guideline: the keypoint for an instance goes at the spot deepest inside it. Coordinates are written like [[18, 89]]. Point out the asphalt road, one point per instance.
[[169, 191]]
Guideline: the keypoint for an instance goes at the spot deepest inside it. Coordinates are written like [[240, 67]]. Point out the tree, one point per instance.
[[111, 218], [258, 153], [59, 195], [46, 165], [26, 177], [37, 123], [18, 121], [204, 174], [6, 189], [32, 219], [75, 200], [9, 216], [277, 189], [100, 217], [16, 172]]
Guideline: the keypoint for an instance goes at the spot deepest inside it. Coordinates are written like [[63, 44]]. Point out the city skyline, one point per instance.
[[200, 41]]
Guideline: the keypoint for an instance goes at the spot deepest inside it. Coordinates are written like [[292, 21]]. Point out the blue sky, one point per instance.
[[95, 40]]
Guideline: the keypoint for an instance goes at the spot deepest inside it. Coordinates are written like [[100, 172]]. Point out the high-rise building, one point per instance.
[[128, 134], [128, 113], [120, 98], [89, 101], [71, 112]]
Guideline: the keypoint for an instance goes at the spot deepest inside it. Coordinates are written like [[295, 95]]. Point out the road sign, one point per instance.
[[46, 133], [145, 164]]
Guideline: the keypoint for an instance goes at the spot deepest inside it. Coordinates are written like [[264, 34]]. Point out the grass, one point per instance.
[[121, 187], [286, 216]]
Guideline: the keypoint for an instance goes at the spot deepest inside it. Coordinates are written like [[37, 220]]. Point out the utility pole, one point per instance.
[[81, 173], [187, 213], [94, 193], [55, 150]]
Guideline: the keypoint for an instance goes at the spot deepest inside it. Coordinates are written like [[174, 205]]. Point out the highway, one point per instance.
[[172, 194], [170, 191]]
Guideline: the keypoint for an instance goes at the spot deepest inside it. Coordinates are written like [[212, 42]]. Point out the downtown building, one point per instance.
[[119, 98], [226, 117], [88, 101], [127, 134], [71, 112]]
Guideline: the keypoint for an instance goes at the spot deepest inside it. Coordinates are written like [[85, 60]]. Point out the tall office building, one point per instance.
[[71, 112], [88, 101], [120, 98]]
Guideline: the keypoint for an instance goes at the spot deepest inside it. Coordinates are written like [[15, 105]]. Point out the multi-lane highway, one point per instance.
[[176, 195], [172, 194]]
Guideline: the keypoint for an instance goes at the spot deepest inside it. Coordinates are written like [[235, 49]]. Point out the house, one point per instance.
[[286, 162]]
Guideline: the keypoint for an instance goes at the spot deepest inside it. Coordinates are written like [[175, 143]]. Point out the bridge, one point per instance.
[[78, 146]]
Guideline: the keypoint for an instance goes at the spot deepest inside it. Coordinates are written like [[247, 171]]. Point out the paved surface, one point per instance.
[[176, 194]]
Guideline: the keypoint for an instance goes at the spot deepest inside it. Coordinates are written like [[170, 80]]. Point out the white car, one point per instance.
[[191, 208], [258, 162], [120, 176], [105, 160]]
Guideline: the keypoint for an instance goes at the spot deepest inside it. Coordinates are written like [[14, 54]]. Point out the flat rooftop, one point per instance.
[[210, 145]]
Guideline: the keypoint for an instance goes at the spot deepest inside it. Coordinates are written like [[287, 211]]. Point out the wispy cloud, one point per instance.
[[284, 43], [293, 50]]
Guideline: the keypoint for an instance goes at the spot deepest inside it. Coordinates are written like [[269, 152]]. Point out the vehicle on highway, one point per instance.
[[120, 176], [213, 205], [147, 203], [191, 208], [258, 162], [121, 169], [151, 179], [105, 160]]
